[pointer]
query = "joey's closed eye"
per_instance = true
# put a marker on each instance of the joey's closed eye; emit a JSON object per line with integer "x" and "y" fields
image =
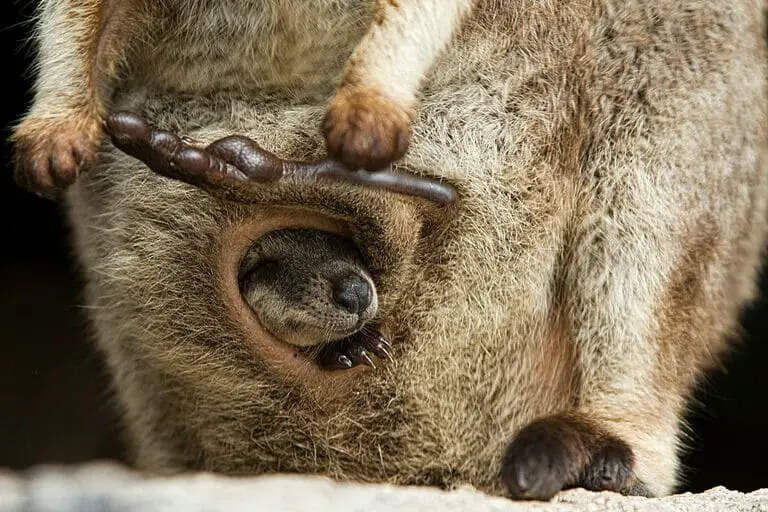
{"x": 264, "y": 266}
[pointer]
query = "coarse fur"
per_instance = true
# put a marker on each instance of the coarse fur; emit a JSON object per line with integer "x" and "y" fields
{"x": 611, "y": 162}
{"x": 90, "y": 48}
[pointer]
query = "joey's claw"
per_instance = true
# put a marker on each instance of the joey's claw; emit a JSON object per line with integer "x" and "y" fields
{"x": 359, "y": 355}
{"x": 376, "y": 343}
{"x": 331, "y": 360}
{"x": 191, "y": 141}
{"x": 382, "y": 351}
{"x": 355, "y": 350}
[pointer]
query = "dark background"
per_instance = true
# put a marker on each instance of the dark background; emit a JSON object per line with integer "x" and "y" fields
{"x": 54, "y": 404}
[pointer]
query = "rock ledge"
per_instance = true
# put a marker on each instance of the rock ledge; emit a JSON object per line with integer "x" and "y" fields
{"x": 108, "y": 487}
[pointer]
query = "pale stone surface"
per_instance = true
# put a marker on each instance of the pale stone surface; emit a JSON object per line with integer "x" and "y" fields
{"x": 103, "y": 487}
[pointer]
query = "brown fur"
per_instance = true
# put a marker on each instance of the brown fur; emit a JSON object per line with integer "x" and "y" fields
{"x": 381, "y": 129}
{"x": 611, "y": 162}
{"x": 91, "y": 48}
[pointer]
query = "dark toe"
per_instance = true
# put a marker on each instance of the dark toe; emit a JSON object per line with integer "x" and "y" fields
{"x": 355, "y": 350}
{"x": 534, "y": 472}
{"x": 330, "y": 359}
{"x": 610, "y": 468}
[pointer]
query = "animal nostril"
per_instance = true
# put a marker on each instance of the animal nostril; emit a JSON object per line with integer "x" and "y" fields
{"x": 352, "y": 293}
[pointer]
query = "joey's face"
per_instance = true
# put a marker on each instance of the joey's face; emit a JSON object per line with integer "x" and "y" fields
{"x": 307, "y": 286}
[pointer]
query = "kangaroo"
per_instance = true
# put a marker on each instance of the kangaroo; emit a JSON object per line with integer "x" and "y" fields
{"x": 311, "y": 287}
{"x": 90, "y": 48}
{"x": 547, "y": 327}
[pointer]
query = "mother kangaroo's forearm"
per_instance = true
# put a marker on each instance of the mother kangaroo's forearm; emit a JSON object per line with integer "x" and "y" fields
{"x": 368, "y": 121}
{"x": 80, "y": 45}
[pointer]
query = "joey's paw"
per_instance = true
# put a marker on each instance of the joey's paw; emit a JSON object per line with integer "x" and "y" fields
{"x": 563, "y": 451}
{"x": 49, "y": 153}
{"x": 364, "y": 129}
{"x": 355, "y": 350}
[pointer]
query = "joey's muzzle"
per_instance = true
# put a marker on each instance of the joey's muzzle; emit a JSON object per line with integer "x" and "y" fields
{"x": 308, "y": 286}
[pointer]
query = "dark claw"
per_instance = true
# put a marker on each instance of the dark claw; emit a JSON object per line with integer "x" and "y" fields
{"x": 234, "y": 163}
{"x": 330, "y": 360}
{"x": 382, "y": 351}
{"x": 354, "y": 350}
{"x": 359, "y": 355}
{"x": 377, "y": 344}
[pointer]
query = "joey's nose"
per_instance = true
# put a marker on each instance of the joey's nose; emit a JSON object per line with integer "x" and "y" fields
{"x": 352, "y": 293}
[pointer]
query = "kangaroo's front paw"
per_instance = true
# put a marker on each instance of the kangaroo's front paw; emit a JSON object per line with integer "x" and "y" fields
{"x": 364, "y": 129}
{"x": 49, "y": 153}
{"x": 563, "y": 451}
